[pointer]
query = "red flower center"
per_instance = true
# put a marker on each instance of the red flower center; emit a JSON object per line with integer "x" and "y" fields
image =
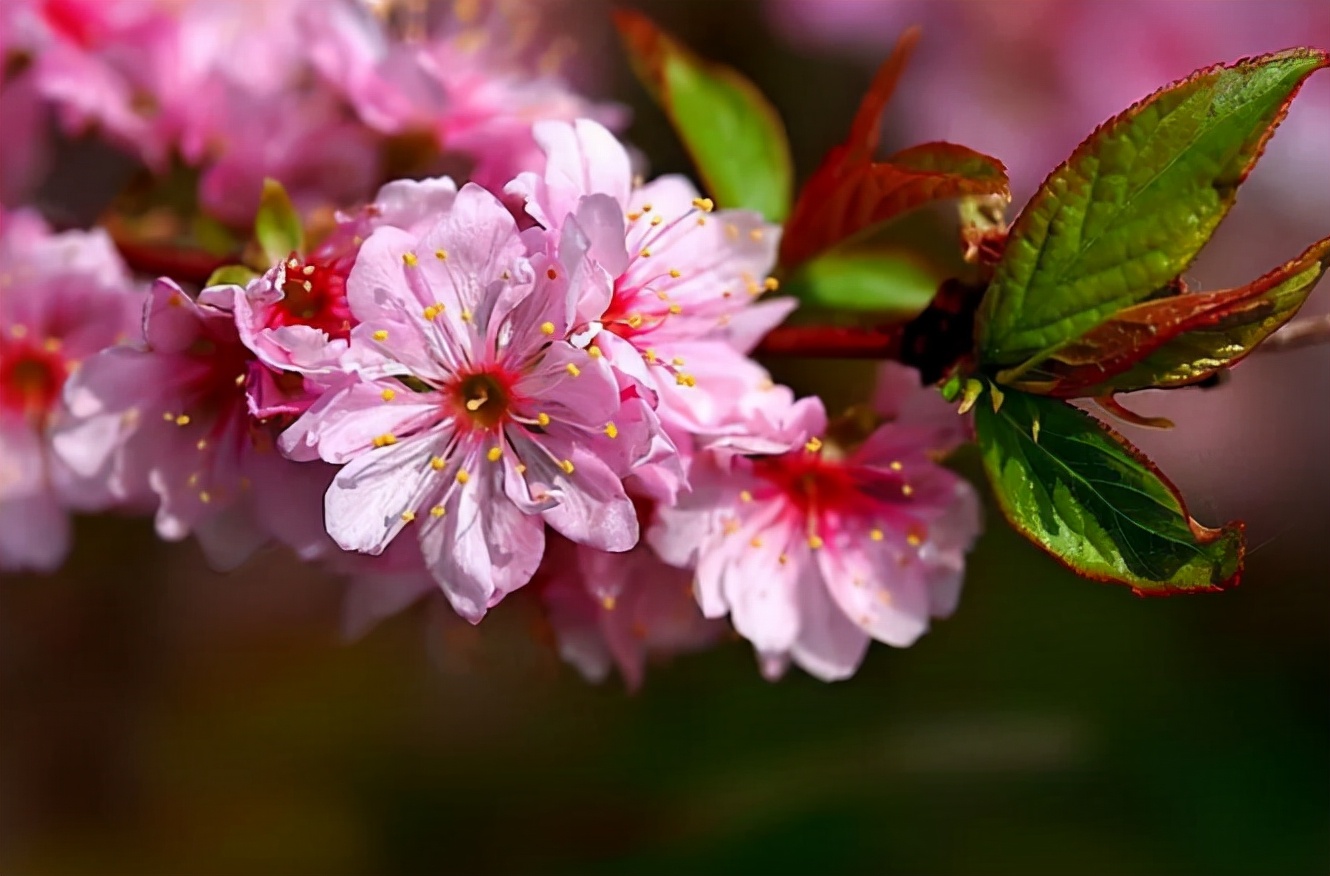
{"x": 313, "y": 295}
{"x": 482, "y": 399}
{"x": 30, "y": 378}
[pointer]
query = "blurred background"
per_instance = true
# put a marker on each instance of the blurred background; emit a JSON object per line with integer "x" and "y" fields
{"x": 157, "y": 717}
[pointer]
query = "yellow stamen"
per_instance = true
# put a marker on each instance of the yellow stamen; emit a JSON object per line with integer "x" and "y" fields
{"x": 706, "y": 205}
{"x": 380, "y": 335}
{"x": 611, "y": 430}
{"x": 594, "y": 352}
{"x": 676, "y": 309}
{"x": 573, "y": 369}
{"x": 876, "y": 535}
{"x": 182, "y": 420}
{"x": 409, "y": 259}
{"x": 815, "y": 542}
{"x": 462, "y": 476}
{"x": 567, "y": 466}
{"x": 408, "y": 516}
{"x": 813, "y": 445}
{"x": 495, "y": 454}
{"x": 675, "y": 273}
{"x": 388, "y": 395}
{"x": 547, "y": 328}
{"x": 387, "y": 439}
{"x": 437, "y": 463}
{"x": 745, "y": 496}
{"x": 441, "y": 254}
{"x": 542, "y": 419}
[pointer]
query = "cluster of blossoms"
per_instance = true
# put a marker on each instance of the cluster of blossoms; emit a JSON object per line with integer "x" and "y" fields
{"x": 540, "y": 378}
{"x": 325, "y": 95}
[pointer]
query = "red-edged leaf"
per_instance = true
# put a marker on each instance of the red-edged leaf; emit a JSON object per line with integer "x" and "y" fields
{"x": 1176, "y": 340}
{"x": 850, "y": 192}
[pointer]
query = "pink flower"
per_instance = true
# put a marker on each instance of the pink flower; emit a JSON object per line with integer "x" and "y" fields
{"x": 471, "y": 418}
{"x": 813, "y": 553}
{"x": 674, "y": 305}
{"x": 63, "y": 297}
{"x": 619, "y": 610}
{"x": 296, "y": 319}
{"x": 170, "y": 418}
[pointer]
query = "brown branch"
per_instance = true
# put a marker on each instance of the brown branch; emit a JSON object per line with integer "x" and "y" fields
{"x": 1305, "y": 332}
{"x": 832, "y": 342}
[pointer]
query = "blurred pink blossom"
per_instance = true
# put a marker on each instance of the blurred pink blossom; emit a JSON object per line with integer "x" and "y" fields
{"x": 63, "y": 298}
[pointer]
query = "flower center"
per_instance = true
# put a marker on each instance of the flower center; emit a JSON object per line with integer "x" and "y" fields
{"x": 313, "y": 295}
{"x": 482, "y": 399}
{"x": 814, "y": 485}
{"x": 30, "y": 379}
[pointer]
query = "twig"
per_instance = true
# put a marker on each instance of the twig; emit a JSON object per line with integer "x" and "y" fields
{"x": 832, "y": 342}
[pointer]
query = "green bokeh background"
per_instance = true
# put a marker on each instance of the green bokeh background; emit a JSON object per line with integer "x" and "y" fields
{"x": 156, "y": 717}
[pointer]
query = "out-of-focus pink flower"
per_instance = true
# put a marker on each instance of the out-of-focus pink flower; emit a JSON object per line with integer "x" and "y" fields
{"x": 619, "y": 610}
{"x": 170, "y": 418}
{"x": 671, "y": 303}
{"x": 471, "y": 418}
{"x": 813, "y": 553}
{"x": 1026, "y": 82}
{"x": 63, "y": 297}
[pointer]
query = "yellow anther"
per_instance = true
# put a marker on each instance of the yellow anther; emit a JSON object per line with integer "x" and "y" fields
{"x": 656, "y": 220}
{"x": 813, "y": 445}
{"x": 542, "y": 419}
{"x": 466, "y": 316}
{"x": 706, "y": 205}
{"x": 182, "y": 420}
{"x": 634, "y": 320}
{"x": 409, "y": 259}
{"x": 608, "y": 602}
{"x": 771, "y": 284}
{"x": 756, "y": 234}
{"x": 914, "y": 539}
{"x": 645, "y": 253}
{"x": 521, "y": 468}
{"x": 896, "y": 465}
{"x": 438, "y": 511}
{"x": 573, "y": 369}
{"x": 594, "y": 352}
{"x": 647, "y": 207}
{"x": 756, "y": 542}
{"x": 611, "y": 430}
{"x": 205, "y": 497}
{"x": 676, "y": 273}
{"x": 547, "y": 328}
{"x": 649, "y": 355}
{"x": 815, "y": 542}
{"x": 634, "y": 216}
{"x": 677, "y": 361}
{"x": 437, "y": 463}
{"x": 495, "y": 454}
{"x": 202, "y": 444}
{"x": 408, "y": 516}
{"x": 462, "y": 476}
{"x": 168, "y": 416}
{"x": 431, "y": 312}
{"x": 676, "y": 309}
{"x": 567, "y": 466}
{"x": 732, "y": 231}
{"x": 683, "y": 379}
{"x": 730, "y": 526}
{"x": 876, "y": 535}
{"x": 388, "y": 395}
{"x": 51, "y": 345}
{"x": 907, "y": 490}
{"x": 387, "y": 439}
{"x": 701, "y": 220}
{"x": 441, "y": 254}
{"x": 380, "y": 335}
{"x": 745, "y": 496}
{"x": 783, "y": 559}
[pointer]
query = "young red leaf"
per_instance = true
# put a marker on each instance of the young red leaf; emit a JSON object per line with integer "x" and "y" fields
{"x": 850, "y": 192}
{"x": 1176, "y": 340}
{"x": 731, "y": 131}
{"x": 1129, "y": 210}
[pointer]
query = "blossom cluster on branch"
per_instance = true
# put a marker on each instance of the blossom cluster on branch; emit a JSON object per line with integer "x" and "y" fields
{"x": 537, "y": 370}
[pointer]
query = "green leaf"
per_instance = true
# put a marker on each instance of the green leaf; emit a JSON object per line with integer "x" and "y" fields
{"x": 1095, "y": 503}
{"x": 231, "y": 275}
{"x": 1173, "y": 341}
{"x": 888, "y": 282}
{"x": 277, "y": 227}
{"x": 732, "y": 132}
{"x": 1128, "y": 212}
